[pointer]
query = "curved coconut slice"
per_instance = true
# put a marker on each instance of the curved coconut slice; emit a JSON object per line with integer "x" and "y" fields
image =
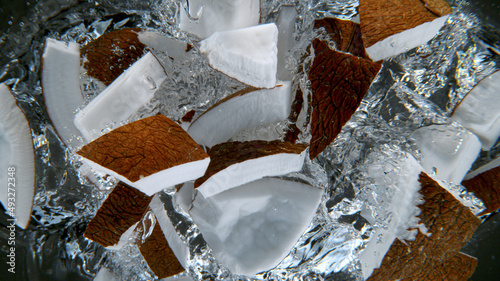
{"x": 242, "y": 110}
{"x": 203, "y": 18}
{"x": 251, "y": 228}
{"x": 134, "y": 88}
{"x": 339, "y": 82}
{"x": 486, "y": 186}
{"x": 447, "y": 151}
{"x": 61, "y": 87}
{"x": 249, "y": 55}
{"x": 396, "y": 26}
{"x": 346, "y": 35}
{"x": 18, "y": 160}
{"x": 115, "y": 221}
{"x": 236, "y": 163}
{"x": 150, "y": 154}
{"x": 478, "y": 111}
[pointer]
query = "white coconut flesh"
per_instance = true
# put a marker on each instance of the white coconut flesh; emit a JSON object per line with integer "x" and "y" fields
{"x": 253, "y": 227}
{"x": 286, "y": 28}
{"x": 16, "y": 148}
{"x": 204, "y": 17}
{"x": 447, "y": 151}
{"x": 491, "y": 165}
{"x": 128, "y": 93}
{"x": 404, "y": 41}
{"x": 184, "y": 196}
{"x": 250, "y": 170}
{"x": 61, "y": 87}
{"x": 248, "y": 54}
{"x": 161, "y": 43}
{"x": 226, "y": 119}
{"x": 479, "y": 110}
{"x": 105, "y": 274}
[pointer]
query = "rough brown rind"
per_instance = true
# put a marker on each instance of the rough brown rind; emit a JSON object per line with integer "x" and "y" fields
{"x": 188, "y": 116}
{"x": 438, "y": 7}
{"x": 143, "y": 148}
{"x": 226, "y": 154}
{"x": 112, "y": 53}
{"x": 123, "y": 208}
{"x": 346, "y": 35}
{"x": 486, "y": 186}
{"x": 339, "y": 82}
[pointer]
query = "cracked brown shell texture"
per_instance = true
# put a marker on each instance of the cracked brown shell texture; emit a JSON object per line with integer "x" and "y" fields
{"x": 229, "y": 153}
{"x": 188, "y": 117}
{"x": 112, "y": 53}
{"x": 339, "y": 81}
{"x": 346, "y": 35}
{"x": 381, "y": 19}
{"x": 143, "y": 147}
{"x": 434, "y": 257}
{"x": 123, "y": 208}
{"x": 486, "y": 186}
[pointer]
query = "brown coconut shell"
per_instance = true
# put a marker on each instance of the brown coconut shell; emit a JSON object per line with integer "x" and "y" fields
{"x": 486, "y": 186}
{"x": 346, "y": 35}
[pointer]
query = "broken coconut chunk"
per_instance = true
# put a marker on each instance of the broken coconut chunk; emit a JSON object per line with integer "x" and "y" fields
{"x": 236, "y": 163}
{"x": 133, "y": 89}
{"x": 393, "y": 27}
{"x": 116, "y": 219}
{"x": 244, "y": 109}
{"x": 251, "y": 228}
{"x": 249, "y": 54}
{"x": 18, "y": 160}
{"x": 339, "y": 82}
{"x": 478, "y": 111}
{"x": 486, "y": 186}
{"x": 61, "y": 87}
{"x": 150, "y": 154}
{"x": 346, "y": 35}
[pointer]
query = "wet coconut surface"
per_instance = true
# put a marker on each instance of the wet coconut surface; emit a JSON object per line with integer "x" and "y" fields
{"x": 412, "y": 90}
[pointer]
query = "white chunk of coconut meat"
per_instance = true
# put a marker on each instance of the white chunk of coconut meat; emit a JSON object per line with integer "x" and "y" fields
{"x": 286, "y": 27}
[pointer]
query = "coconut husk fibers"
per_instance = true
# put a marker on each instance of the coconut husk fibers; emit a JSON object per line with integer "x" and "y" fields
{"x": 339, "y": 81}
{"x": 434, "y": 257}
{"x": 346, "y": 35}
{"x": 486, "y": 186}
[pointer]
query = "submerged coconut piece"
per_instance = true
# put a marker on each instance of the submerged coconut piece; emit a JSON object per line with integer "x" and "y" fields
{"x": 248, "y": 54}
{"x": 339, "y": 82}
{"x": 430, "y": 257}
{"x": 150, "y": 154}
{"x": 236, "y": 163}
{"x": 396, "y": 26}
{"x": 346, "y": 35}
{"x": 105, "y": 274}
{"x": 159, "y": 42}
{"x": 61, "y": 87}
{"x": 203, "y": 18}
{"x": 251, "y": 228}
{"x": 242, "y": 110}
{"x": 486, "y": 186}
{"x": 133, "y": 89}
{"x": 286, "y": 28}
{"x": 478, "y": 111}
{"x": 18, "y": 160}
{"x": 116, "y": 219}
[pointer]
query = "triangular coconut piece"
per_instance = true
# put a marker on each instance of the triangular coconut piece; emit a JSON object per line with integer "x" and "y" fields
{"x": 393, "y": 27}
{"x": 242, "y": 110}
{"x": 150, "y": 154}
{"x": 133, "y": 89}
{"x": 61, "y": 87}
{"x": 478, "y": 111}
{"x": 486, "y": 186}
{"x": 346, "y": 35}
{"x": 251, "y": 228}
{"x": 236, "y": 163}
{"x": 18, "y": 160}
{"x": 248, "y": 54}
{"x": 115, "y": 221}
{"x": 204, "y": 17}
{"x": 339, "y": 82}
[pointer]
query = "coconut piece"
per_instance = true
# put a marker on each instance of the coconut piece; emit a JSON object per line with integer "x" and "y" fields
{"x": 447, "y": 151}
{"x": 339, "y": 82}
{"x": 236, "y": 163}
{"x": 133, "y": 89}
{"x": 242, "y": 110}
{"x": 18, "y": 160}
{"x": 61, "y": 87}
{"x": 159, "y": 42}
{"x": 395, "y": 26}
{"x": 249, "y": 54}
{"x": 478, "y": 111}
{"x": 150, "y": 154}
{"x": 286, "y": 27}
{"x": 105, "y": 274}
{"x": 116, "y": 219}
{"x": 292, "y": 134}
{"x": 346, "y": 35}
{"x": 486, "y": 186}
{"x": 251, "y": 228}
{"x": 488, "y": 166}
{"x": 203, "y": 18}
